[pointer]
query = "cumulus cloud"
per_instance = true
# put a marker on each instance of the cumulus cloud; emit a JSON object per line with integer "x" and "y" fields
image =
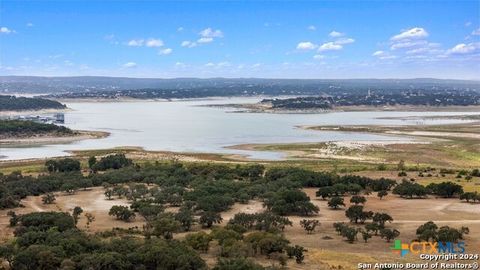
{"x": 129, "y": 65}
{"x": 29, "y": 24}
{"x": 180, "y": 29}
{"x": 318, "y": 56}
{"x": 154, "y": 43}
{"x": 210, "y": 33}
{"x": 306, "y": 45}
{"x": 330, "y": 46}
{"x": 407, "y": 44}
{"x": 205, "y": 40}
{"x": 312, "y": 28}
{"x": 476, "y": 32}
{"x": 383, "y": 55}
{"x": 165, "y": 51}
{"x": 463, "y": 48}
{"x": 188, "y": 44}
{"x": 336, "y": 34}
{"x": 344, "y": 41}
{"x": 5, "y": 30}
{"x": 135, "y": 43}
{"x": 413, "y": 33}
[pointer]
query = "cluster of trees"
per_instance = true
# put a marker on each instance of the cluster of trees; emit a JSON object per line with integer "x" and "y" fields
{"x": 62, "y": 165}
{"x": 13, "y": 103}
{"x": 470, "y": 196}
{"x": 265, "y": 221}
{"x": 356, "y": 214}
{"x": 431, "y": 232}
{"x": 411, "y": 190}
{"x": 235, "y": 244}
{"x": 24, "y": 128}
{"x": 50, "y": 240}
{"x": 115, "y": 161}
{"x": 353, "y": 184}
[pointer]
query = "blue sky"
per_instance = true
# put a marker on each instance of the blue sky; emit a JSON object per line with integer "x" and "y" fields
{"x": 273, "y": 39}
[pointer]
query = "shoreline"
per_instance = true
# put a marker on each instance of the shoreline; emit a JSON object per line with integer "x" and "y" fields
{"x": 32, "y": 112}
{"x": 260, "y": 108}
{"x": 51, "y": 139}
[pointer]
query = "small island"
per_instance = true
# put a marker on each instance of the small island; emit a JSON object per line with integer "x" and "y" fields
{"x": 31, "y": 132}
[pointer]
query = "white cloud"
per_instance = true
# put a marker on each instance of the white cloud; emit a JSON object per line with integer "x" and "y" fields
{"x": 205, "y": 40}
{"x": 154, "y": 43}
{"x": 344, "y": 41}
{"x": 330, "y": 46}
{"x": 165, "y": 51}
{"x": 407, "y": 44}
{"x": 306, "y": 45}
{"x": 188, "y": 44}
{"x": 336, "y": 34}
{"x": 467, "y": 24}
{"x": 383, "y": 55}
{"x": 5, "y": 30}
{"x": 463, "y": 48}
{"x": 218, "y": 65}
{"x": 180, "y": 29}
{"x": 29, "y": 24}
{"x": 318, "y": 56}
{"x": 476, "y": 32}
{"x": 136, "y": 42}
{"x": 210, "y": 33}
{"x": 416, "y": 32}
{"x": 180, "y": 65}
{"x": 129, "y": 65}
{"x": 417, "y": 51}
{"x": 312, "y": 28}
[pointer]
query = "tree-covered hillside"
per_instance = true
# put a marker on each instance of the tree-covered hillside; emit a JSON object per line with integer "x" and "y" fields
{"x": 20, "y": 128}
{"x": 12, "y": 103}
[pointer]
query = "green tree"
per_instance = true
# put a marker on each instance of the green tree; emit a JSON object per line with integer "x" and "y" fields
{"x": 358, "y": 199}
{"x": 382, "y": 193}
{"x": 208, "y": 218}
{"x": 185, "y": 217}
{"x": 165, "y": 225}
{"x": 381, "y": 218}
{"x": 336, "y": 202}
{"x": 121, "y": 213}
{"x": 389, "y": 234}
{"x": 365, "y": 236}
{"x": 199, "y": 241}
{"x": 309, "y": 225}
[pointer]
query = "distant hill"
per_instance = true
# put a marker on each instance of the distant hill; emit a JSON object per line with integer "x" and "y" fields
{"x": 54, "y": 85}
{"x": 12, "y": 103}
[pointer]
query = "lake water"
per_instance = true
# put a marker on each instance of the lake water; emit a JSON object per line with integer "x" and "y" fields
{"x": 184, "y": 126}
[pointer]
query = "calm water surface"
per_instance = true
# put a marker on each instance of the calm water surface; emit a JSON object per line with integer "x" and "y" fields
{"x": 183, "y": 126}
